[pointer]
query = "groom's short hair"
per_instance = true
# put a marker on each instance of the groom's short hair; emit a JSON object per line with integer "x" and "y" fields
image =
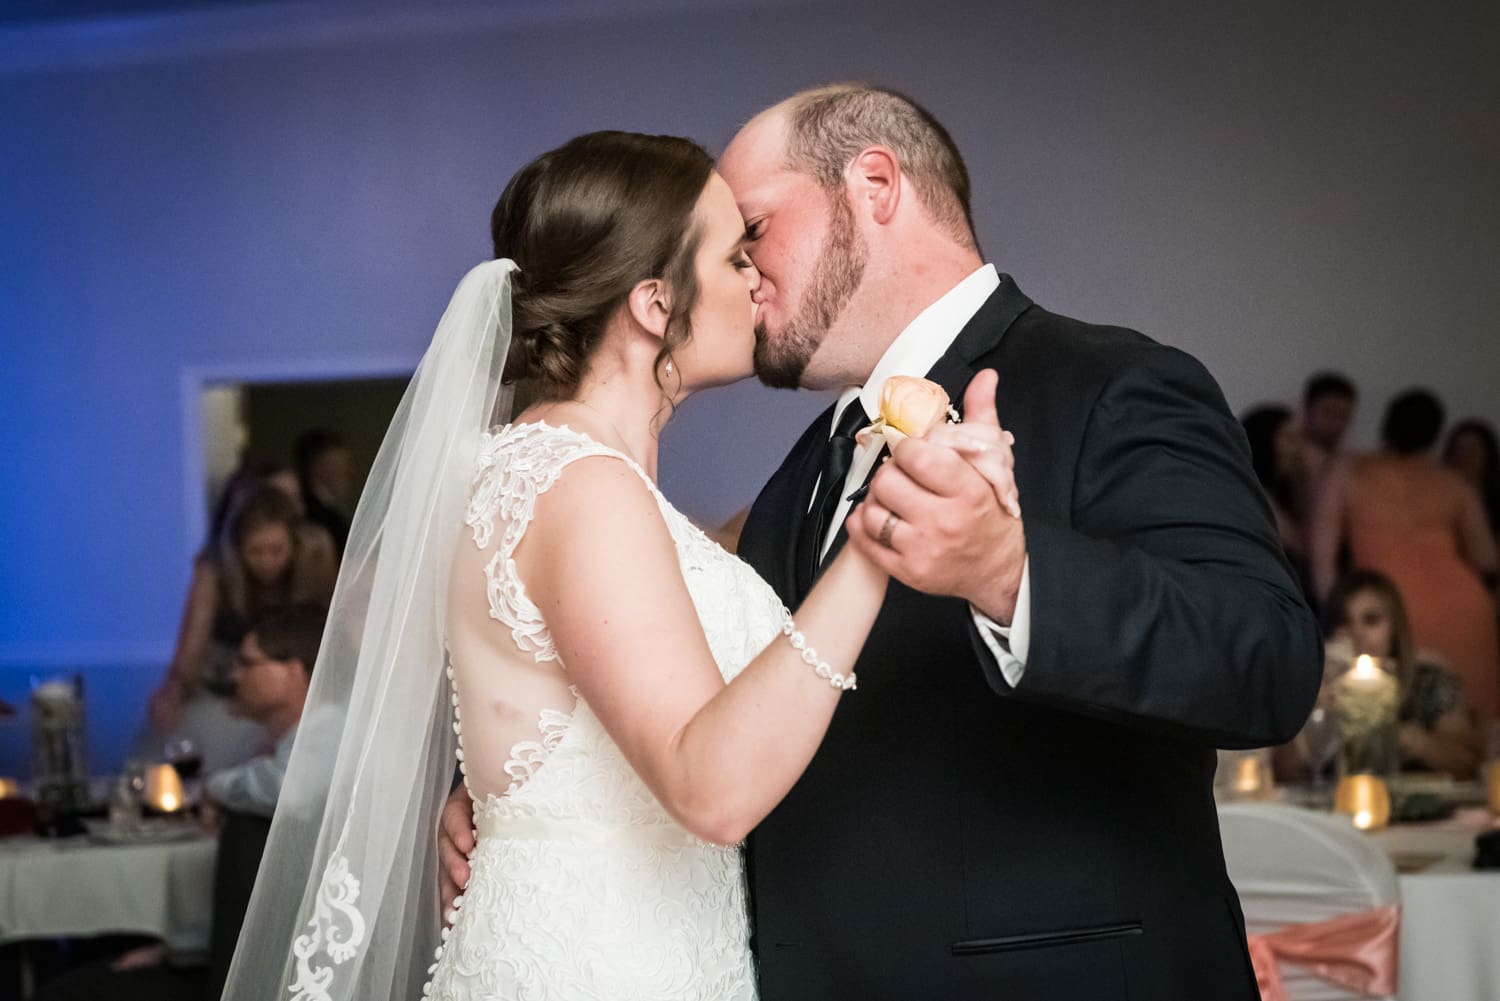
{"x": 827, "y": 127}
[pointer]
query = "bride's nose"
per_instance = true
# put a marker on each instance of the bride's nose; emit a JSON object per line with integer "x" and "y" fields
{"x": 752, "y": 277}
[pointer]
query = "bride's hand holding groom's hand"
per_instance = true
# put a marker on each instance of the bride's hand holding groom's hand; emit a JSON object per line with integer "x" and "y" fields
{"x": 954, "y": 492}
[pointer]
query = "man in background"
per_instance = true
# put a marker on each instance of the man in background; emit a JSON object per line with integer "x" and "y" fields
{"x": 271, "y": 675}
{"x": 1328, "y": 401}
{"x": 325, "y": 468}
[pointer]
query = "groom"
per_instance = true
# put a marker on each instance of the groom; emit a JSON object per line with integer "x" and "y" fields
{"x": 1017, "y": 802}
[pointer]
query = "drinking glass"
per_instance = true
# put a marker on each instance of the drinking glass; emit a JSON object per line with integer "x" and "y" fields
{"x": 183, "y": 755}
{"x": 1318, "y": 742}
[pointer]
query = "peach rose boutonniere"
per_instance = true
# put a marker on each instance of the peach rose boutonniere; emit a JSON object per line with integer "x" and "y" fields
{"x": 909, "y": 408}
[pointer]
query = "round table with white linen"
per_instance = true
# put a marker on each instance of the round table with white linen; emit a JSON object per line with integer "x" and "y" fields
{"x": 159, "y": 882}
{"x": 1450, "y": 913}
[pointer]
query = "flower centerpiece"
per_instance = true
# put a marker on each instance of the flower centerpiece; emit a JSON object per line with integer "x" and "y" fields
{"x": 1366, "y": 700}
{"x": 59, "y": 759}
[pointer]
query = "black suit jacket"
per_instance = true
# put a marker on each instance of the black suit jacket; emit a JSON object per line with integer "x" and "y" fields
{"x": 956, "y": 837}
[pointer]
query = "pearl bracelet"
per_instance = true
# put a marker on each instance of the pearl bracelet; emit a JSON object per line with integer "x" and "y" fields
{"x": 843, "y": 682}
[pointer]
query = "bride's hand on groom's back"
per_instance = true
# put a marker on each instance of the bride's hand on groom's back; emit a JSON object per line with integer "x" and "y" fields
{"x": 954, "y": 492}
{"x": 455, "y": 842}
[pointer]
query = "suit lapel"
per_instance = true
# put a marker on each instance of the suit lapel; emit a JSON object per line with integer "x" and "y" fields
{"x": 979, "y": 336}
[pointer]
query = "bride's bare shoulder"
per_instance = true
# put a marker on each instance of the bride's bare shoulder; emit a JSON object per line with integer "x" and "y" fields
{"x": 598, "y": 495}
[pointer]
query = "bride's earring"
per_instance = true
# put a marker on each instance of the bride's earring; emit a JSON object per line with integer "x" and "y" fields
{"x": 669, "y": 367}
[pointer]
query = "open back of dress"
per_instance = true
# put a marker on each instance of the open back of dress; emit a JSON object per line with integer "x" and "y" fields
{"x": 582, "y": 885}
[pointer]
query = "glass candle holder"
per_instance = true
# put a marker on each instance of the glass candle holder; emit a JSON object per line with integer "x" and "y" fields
{"x": 1244, "y": 775}
{"x": 1365, "y": 800}
{"x": 1366, "y": 700}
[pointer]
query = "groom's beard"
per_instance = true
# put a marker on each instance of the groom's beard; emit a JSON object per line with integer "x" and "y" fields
{"x": 781, "y": 359}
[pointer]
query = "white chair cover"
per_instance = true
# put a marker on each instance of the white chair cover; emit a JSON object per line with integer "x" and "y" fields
{"x": 1293, "y": 866}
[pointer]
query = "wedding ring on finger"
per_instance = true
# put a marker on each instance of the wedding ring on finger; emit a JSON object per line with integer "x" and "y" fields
{"x": 892, "y": 519}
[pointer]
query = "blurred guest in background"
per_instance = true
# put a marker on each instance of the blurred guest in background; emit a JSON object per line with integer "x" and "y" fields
{"x": 312, "y": 539}
{"x": 1422, "y": 525}
{"x": 241, "y": 484}
{"x": 1474, "y": 453}
{"x": 1276, "y": 455}
{"x": 271, "y": 674}
{"x": 1437, "y": 730}
{"x": 325, "y": 470}
{"x": 264, "y": 564}
{"x": 1328, "y": 400}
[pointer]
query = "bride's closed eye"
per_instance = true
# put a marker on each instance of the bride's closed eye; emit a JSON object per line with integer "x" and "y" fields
{"x": 742, "y": 262}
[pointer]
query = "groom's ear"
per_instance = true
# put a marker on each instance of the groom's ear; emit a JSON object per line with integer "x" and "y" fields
{"x": 650, "y": 305}
{"x": 874, "y": 179}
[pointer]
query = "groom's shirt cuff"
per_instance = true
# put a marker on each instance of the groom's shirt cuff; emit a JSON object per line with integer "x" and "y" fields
{"x": 1010, "y": 644}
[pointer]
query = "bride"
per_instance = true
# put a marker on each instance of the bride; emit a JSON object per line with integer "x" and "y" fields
{"x": 625, "y": 699}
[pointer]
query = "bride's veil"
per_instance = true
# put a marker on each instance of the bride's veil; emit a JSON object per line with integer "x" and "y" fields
{"x": 346, "y": 902}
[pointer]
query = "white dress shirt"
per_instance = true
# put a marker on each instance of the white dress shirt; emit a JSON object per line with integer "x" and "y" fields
{"x": 914, "y": 352}
{"x": 255, "y": 786}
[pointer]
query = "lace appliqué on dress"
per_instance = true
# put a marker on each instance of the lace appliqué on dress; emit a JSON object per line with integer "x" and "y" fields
{"x": 516, "y": 466}
{"x": 337, "y": 894}
{"x": 527, "y": 756}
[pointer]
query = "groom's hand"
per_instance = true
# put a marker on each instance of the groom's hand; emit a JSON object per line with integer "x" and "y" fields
{"x": 455, "y": 843}
{"x": 959, "y": 530}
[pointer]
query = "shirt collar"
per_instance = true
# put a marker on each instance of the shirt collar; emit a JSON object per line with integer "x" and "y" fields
{"x": 926, "y": 339}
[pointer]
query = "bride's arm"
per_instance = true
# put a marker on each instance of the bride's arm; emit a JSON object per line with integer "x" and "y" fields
{"x": 602, "y": 568}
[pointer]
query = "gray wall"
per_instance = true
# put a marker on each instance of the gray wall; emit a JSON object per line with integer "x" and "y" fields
{"x": 1274, "y": 187}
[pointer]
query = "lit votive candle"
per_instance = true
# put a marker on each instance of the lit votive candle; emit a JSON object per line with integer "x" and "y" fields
{"x": 1366, "y": 682}
{"x": 1365, "y": 799}
{"x": 9, "y": 788}
{"x": 163, "y": 789}
{"x": 1367, "y": 674}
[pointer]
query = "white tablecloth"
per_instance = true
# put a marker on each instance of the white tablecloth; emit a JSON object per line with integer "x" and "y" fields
{"x": 77, "y": 887}
{"x": 1450, "y": 914}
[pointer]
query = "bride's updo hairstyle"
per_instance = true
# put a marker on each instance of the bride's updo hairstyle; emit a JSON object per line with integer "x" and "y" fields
{"x": 585, "y": 224}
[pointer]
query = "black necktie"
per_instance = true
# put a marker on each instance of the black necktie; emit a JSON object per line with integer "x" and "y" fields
{"x": 836, "y": 459}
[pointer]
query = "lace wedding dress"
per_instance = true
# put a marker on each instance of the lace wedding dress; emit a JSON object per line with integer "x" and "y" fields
{"x": 582, "y": 886}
